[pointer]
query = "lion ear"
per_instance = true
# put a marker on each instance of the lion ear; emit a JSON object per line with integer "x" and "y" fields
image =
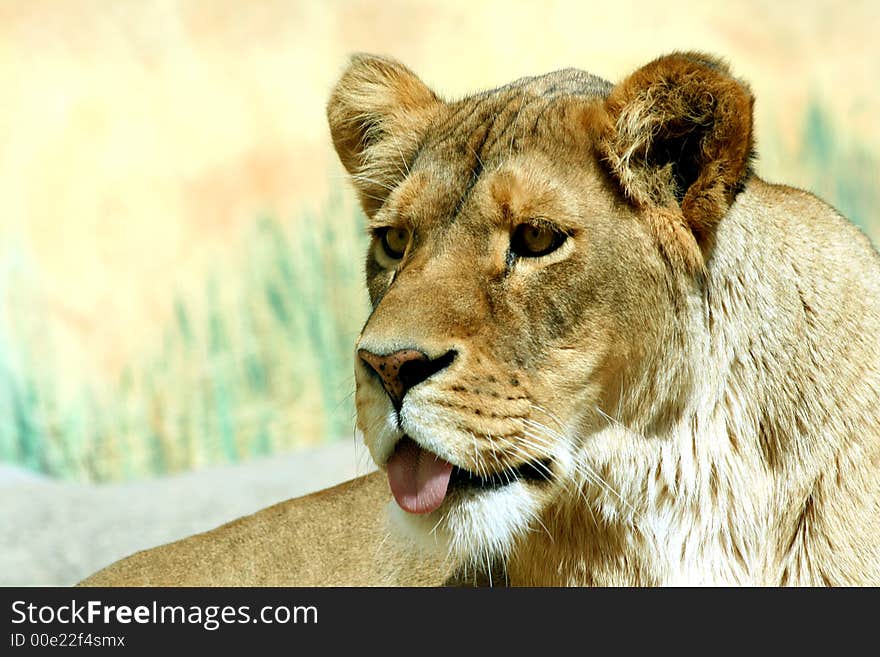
{"x": 678, "y": 137}
{"x": 377, "y": 113}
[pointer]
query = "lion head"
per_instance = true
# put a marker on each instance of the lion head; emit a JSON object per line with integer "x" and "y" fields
{"x": 531, "y": 255}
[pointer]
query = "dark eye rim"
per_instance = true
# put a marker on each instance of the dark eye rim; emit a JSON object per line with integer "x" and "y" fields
{"x": 517, "y": 243}
{"x": 382, "y": 236}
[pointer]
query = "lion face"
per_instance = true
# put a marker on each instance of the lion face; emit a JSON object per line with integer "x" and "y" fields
{"x": 517, "y": 294}
{"x": 513, "y": 289}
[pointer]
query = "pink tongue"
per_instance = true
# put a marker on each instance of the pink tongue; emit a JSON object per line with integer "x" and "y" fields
{"x": 417, "y": 478}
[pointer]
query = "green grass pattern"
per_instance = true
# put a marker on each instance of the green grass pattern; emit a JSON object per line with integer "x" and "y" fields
{"x": 262, "y": 362}
{"x": 843, "y": 173}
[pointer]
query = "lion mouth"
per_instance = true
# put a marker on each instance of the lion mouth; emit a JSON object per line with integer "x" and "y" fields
{"x": 530, "y": 471}
{"x": 420, "y": 480}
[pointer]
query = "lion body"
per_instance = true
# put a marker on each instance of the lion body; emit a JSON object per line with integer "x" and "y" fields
{"x": 336, "y": 537}
{"x": 693, "y": 368}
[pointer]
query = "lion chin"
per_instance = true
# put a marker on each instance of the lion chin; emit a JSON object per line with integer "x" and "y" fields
{"x": 602, "y": 351}
{"x": 473, "y": 529}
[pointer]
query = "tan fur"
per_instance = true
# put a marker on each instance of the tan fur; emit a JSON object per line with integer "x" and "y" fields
{"x": 336, "y": 537}
{"x": 696, "y": 368}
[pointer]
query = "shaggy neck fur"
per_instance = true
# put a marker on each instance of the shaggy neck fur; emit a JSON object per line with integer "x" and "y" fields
{"x": 748, "y": 485}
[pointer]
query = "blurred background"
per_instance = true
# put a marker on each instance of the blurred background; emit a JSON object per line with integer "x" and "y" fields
{"x": 181, "y": 255}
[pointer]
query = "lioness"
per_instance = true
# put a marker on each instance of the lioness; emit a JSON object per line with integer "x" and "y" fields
{"x": 601, "y": 351}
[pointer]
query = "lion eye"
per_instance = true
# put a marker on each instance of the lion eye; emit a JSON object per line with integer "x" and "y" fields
{"x": 394, "y": 242}
{"x": 531, "y": 241}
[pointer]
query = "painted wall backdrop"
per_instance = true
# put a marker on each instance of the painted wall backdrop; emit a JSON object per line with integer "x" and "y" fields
{"x": 180, "y": 254}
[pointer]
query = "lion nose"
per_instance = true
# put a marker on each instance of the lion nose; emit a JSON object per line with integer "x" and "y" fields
{"x": 404, "y": 369}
